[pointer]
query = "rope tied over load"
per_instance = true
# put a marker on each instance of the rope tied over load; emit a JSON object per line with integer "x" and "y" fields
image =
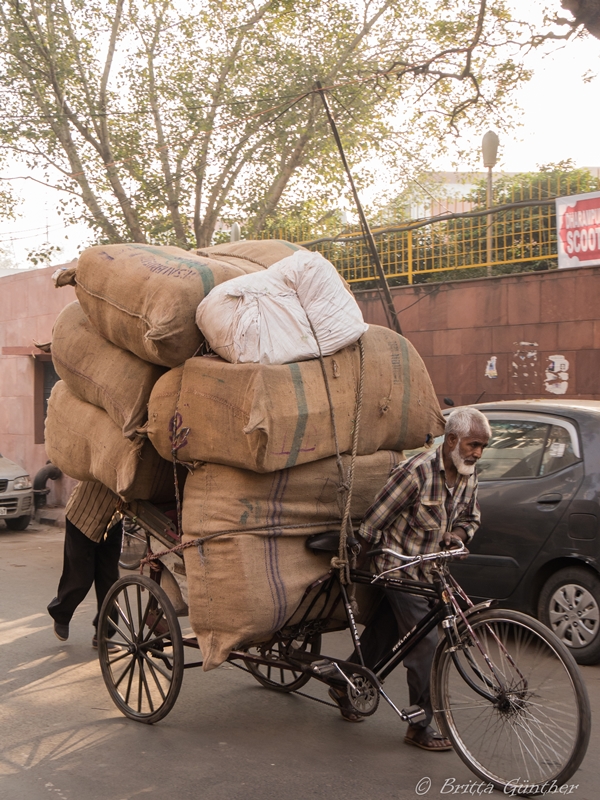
{"x": 345, "y": 559}
{"x": 342, "y": 562}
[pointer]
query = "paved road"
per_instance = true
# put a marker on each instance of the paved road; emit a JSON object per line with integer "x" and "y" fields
{"x": 226, "y": 739}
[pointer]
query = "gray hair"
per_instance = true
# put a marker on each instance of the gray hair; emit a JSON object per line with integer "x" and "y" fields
{"x": 467, "y": 420}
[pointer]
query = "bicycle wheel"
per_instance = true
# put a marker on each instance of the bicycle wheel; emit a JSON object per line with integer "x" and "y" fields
{"x": 134, "y": 546}
{"x": 277, "y": 678}
{"x": 144, "y": 677}
{"x": 534, "y": 726}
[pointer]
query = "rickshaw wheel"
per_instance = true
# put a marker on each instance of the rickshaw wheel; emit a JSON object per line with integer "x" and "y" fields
{"x": 144, "y": 677}
{"x": 277, "y": 678}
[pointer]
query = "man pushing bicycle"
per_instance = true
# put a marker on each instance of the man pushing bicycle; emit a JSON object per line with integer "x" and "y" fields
{"x": 429, "y": 498}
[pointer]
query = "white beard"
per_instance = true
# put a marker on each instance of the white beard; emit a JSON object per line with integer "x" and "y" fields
{"x": 461, "y": 467}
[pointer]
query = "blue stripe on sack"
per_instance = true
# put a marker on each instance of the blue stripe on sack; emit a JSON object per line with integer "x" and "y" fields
{"x": 276, "y": 584}
{"x": 302, "y": 407}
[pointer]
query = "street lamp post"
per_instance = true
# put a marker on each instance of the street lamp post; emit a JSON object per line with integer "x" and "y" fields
{"x": 489, "y": 150}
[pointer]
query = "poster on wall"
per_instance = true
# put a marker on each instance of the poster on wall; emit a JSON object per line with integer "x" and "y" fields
{"x": 578, "y": 226}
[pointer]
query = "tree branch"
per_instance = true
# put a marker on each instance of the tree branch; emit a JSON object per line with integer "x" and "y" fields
{"x": 163, "y": 150}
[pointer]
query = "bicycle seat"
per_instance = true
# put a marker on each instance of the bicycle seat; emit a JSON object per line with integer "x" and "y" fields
{"x": 328, "y": 542}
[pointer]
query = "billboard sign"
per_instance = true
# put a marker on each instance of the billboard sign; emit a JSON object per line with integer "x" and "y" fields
{"x": 578, "y": 226}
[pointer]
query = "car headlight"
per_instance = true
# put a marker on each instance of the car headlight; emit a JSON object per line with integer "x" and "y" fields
{"x": 24, "y": 482}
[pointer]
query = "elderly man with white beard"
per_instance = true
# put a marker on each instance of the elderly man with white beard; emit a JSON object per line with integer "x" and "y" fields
{"x": 428, "y": 499}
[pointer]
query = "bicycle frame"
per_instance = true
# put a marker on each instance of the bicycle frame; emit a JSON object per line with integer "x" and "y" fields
{"x": 445, "y": 611}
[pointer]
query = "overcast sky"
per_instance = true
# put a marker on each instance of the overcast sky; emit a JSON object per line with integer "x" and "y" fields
{"x": 560, "y": 116}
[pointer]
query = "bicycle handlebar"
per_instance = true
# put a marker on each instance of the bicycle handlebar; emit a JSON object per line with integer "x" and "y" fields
{"x": 410, "y": 561}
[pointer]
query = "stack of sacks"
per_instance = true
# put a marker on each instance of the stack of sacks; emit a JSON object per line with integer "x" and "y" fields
{"x": 134, "y": 318}
{"x": 260, "y": 427}
{"x": 268, "y": 476}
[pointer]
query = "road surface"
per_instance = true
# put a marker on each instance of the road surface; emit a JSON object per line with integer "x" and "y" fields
{"x": 227, "y": 738}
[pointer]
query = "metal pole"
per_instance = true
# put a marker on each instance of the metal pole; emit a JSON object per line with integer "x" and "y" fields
{"x": 489, "y": 222}
{"x": 388, "y": 302}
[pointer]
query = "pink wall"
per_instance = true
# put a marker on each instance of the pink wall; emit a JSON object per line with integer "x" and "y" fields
{"x": 520, "y": 323}
{"x": 29, "y": 304}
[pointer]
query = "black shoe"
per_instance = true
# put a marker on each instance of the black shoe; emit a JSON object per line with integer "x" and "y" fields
{"x": 61, "y": 631}
{"x": 340, "y": 698}
{"x": 111, "y": 646}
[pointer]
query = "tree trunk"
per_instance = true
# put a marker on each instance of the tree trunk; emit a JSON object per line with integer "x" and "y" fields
{"x": 586, "y": 13}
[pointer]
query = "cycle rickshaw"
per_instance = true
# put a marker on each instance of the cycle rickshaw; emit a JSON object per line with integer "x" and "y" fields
{"x": 505, "y": 690}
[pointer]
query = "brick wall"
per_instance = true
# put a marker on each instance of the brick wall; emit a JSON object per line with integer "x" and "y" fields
{"x": 531, "y": 324}
{"x": 29, "y": 304}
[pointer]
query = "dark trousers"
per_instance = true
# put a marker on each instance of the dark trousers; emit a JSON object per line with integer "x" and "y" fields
{"x": 85, "y": 563}
{"x": 397, "y": 614}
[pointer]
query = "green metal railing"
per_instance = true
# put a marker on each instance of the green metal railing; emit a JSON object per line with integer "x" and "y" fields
{"x": 522, "y": 220}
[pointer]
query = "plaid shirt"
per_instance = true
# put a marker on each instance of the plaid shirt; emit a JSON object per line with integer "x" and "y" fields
{"x": 91, "y": 508}
{"x": 415, "y": 508}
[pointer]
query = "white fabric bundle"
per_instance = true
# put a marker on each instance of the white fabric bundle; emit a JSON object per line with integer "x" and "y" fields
{"x": 264, "y": 317}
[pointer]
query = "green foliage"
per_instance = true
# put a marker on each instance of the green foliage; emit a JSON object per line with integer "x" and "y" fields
{"x": 302, "y": 220}
{"x": 155, "y": 119}
{"x": 45, "y": 254}
{"x": 8, "y": 201}
{"x": 550, "y": 180}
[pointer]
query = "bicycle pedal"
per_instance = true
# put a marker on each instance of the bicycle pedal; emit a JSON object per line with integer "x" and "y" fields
{"x": 413, "y": 714}
{"x": 324, "y": 668}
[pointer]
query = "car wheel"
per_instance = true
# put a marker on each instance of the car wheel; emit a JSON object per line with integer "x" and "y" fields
{"x": 569, "y": 605}
{"x": 18, "y": 523}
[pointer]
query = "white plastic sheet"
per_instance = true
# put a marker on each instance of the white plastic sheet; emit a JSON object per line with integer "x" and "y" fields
{"x": 264, "y": 317}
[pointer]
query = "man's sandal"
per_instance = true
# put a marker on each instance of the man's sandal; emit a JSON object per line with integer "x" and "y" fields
{"x": 340, "y": 698}
{"x": 426, "y": 738}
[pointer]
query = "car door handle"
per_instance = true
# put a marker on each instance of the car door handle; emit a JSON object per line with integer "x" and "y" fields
{"x": 551, "y": 499}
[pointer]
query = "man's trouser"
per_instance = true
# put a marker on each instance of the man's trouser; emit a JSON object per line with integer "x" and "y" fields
{"x": 397, "y": 613}
{"x": 86, "y": 563}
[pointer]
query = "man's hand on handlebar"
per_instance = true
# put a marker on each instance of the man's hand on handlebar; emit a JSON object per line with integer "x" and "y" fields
{"x": 455, "y": 538}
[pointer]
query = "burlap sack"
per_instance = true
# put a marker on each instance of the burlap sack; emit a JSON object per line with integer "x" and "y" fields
{"x": 260, "y": 253}
{"x": 65, "y": 276}
{"x": 244, "y": 586}
{"x": 101, "y": 373}
{"x": 85, "y": 444}
{"x": 264, "y": 417}
{"x": 144, "y": 298}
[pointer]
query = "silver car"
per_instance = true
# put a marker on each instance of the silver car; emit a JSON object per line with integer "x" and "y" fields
{"x": 16, "y": 495}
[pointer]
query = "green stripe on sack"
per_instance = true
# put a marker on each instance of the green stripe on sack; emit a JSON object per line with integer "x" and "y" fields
{"x": 288, "y": 244}
{"x": 405, "y": 356}
{"x": 302, "y": 414}
{"x": 208, "y": 279}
